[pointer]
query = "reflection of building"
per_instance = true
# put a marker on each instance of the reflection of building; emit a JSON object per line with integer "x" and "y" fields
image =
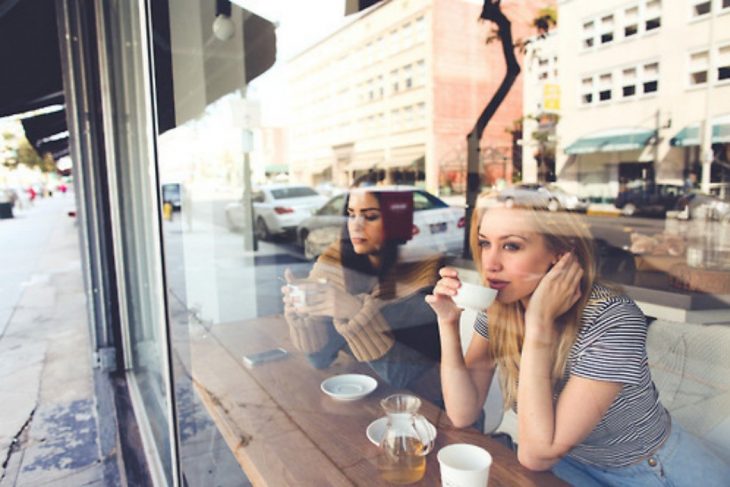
{"x": 270, "y": 152}
{"x": 541, "y": 105}
{"x": 396, "y": 89}
{"x": 639, "y": 79}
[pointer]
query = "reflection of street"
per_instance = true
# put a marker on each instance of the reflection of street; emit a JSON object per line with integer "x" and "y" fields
{"x": 209, "y": 270}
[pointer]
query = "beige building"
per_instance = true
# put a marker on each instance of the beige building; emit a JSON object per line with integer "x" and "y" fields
{"x": 646, "y": 86}
{"x": 397, "y": 89}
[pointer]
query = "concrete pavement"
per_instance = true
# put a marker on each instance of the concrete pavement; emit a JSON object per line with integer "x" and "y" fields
{"x": 48, "y": 417}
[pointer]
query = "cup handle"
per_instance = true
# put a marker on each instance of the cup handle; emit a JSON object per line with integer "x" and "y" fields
{"x": 420, "y": 420}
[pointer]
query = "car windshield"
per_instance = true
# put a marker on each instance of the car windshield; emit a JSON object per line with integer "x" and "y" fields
{"x": 295, "y": 192}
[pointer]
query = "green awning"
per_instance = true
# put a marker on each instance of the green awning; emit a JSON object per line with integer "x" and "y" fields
{"x": 276, "y": 168}
{"x": 612, "y": 141}
{"x": 690, "y": 135}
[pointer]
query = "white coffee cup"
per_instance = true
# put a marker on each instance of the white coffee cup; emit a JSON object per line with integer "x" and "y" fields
{"x": 464, "y": 465}
{"x": 474, "y": 296}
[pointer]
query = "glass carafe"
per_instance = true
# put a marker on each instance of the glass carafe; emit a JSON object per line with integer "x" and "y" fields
{"x": 406, "y": 441}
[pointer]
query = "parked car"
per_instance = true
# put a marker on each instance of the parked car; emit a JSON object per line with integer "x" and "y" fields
{"x": 550, "y": 196}
{"x": 437, "y": 227}
{"x": 701, "y": 206}
{"x": 277, "y": 209}
{"x": 644, "y": 198}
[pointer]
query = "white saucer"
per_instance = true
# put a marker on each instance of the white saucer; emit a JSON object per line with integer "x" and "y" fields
{"x": 349, "y": 387}
{"x": 376, "y": 430}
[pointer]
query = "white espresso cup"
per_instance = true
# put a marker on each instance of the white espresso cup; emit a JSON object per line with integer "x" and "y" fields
{"x": 464, "y": 465}
{"x": 474, "y": 296}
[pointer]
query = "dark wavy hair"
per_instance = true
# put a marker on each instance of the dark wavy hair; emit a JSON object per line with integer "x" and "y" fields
{"x": 356, "y": 265}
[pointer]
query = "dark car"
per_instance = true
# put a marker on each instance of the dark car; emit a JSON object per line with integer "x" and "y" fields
{"x": 648, "y": 199}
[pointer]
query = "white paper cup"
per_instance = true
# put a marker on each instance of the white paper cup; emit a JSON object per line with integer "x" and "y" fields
{"x": 473, "y": 296}
{"x": 464, "y": 465}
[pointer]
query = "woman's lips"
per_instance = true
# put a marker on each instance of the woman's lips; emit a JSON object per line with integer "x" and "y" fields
{"x": 498, "y": 285}
{"x": 357, "y": 240}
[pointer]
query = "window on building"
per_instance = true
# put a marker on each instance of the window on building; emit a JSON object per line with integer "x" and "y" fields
{"x": 379, "y": 46}
{"x": 395, "y": 82}
{"x": 381, "y": 87}
{"x": 631, "y": 21}
{"x": 420, "y": 73}
{"x": 653, "y": 15}
{"x": 406, "y": 36}
{"x": 698, "y": 67}
{"x": 605, "y": 87}
{"x": 408, "y": 116}
{"x": 420, "y": 29}
{"x": 606, "y": 29}
{"x": 701, "y": 8}
{"x": 650, "y": 81}
{"x": 628, "y": 82}
{"x": 421, "y": 113}
{"x": 371, "y": 89}
{"x": 393, "y": 42}
{"x": 586, "y": 97}
{"x": 588, "y": 34}
{"x": 723, "y": 63}
{"x": 395, "y": 118}
{"x": 408, "y": 76}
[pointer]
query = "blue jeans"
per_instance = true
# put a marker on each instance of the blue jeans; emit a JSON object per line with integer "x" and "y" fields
{"x": 681, "y": 461}
{"x": 401, "y": 366}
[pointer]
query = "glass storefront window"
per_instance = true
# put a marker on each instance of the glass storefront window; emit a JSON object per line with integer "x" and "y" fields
{"x": 284, "y": 163}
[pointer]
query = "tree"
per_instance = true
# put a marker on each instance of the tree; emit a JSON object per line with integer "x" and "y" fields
{"x": 25, "y": 154}
{"x": 492, "y": 12}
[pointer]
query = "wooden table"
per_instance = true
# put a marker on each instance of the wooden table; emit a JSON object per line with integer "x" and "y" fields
{"x": 284, "y": 431}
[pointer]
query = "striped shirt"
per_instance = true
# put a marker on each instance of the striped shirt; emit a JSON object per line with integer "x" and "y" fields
{"x": 611, "y": 346}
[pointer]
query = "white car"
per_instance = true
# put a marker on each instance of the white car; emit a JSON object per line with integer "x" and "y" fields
{"x": 277, "y": 209}
{"x": 437, "y": 227}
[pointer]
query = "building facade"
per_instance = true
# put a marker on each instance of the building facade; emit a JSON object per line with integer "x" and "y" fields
{"x": 395, "y": 90}
{"x": 645, "y": 94}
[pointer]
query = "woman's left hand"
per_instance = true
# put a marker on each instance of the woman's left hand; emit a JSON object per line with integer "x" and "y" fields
{"x": 557, "y": 291}
{"x": 331, "y": 301}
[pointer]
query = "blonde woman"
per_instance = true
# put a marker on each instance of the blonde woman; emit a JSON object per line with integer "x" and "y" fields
{"x": 572, "y": 356}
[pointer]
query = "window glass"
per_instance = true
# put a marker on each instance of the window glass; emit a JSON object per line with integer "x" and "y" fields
{"x": 701, "y": 8}
{"x": 346, "y": 112}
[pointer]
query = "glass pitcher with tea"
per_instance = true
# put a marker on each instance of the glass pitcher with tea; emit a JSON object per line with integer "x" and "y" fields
{"x": 408, "y": 438}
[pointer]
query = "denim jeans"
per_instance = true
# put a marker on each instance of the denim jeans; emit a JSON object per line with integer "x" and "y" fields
{"x": 401, "y": 366}
{"x": 682, "y": 461}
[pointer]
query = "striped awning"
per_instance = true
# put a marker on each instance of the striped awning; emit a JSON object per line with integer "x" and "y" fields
{"x": 690, "y": 135}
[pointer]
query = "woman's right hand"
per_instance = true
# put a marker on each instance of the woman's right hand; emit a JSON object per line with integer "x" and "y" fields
{"x": 290, "y": 304}
{"x": 441, "y": 300}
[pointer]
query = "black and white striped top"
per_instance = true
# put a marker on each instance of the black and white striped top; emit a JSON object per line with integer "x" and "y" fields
{"x": 611, "y": 346}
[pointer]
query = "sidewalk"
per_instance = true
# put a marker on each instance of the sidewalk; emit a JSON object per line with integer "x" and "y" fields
{"x": 48, "y": 419}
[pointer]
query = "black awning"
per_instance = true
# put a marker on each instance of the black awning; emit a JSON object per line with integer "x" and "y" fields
{"x": 43, "y": 126}
{"x": 30, "y": 56}
{"x": 53, "y": 146}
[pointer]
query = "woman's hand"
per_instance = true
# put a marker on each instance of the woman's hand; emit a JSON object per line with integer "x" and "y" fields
{"x": 291, "y": 303}
{"x": 441, "y": 301}
{"x": 557, "y": 291}
{"x": 324, "y": 299}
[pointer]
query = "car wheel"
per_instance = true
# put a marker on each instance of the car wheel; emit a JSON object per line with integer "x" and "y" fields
{"x": 509, "y": 203}
{"x": 310, "y": 252}
{"x": 262, "y": 231}
{"x": 629, "y": 209}
{"x": 553, "y": 205}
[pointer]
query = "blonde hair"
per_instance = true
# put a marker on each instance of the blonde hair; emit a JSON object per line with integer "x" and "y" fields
{"x": 562, "y": 232}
